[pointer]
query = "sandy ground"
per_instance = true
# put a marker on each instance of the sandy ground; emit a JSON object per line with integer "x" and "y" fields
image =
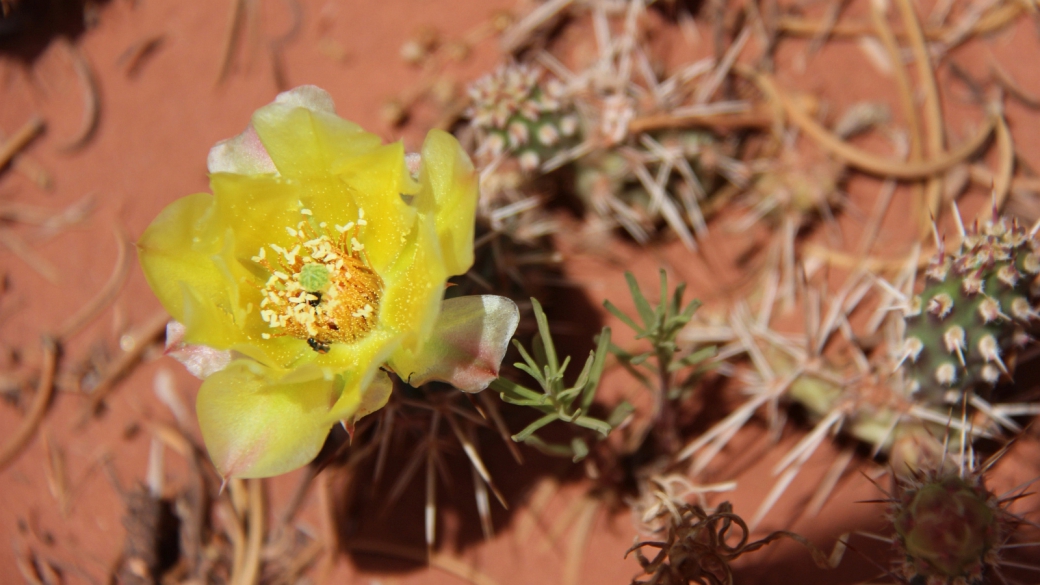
{"x": 156, "y": 65}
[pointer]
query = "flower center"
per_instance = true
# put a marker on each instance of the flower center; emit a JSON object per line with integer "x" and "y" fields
{"x": 322, "y": 290}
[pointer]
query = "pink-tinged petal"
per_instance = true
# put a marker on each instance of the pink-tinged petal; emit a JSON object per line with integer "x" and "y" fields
{"x": 375, "y": 396}
{"x": 256, "y": 425}
{"x": 243, "y": 155}
{"x": 202, "y": 361}
{"x": 310, "y": 97}
{"x": 467, "y": 345}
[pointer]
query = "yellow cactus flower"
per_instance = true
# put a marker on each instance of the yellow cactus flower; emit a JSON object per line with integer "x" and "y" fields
{"x": 319, "y": 262}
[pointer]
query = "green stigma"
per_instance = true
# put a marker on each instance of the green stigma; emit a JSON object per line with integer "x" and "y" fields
{"x": 314, "y": 277}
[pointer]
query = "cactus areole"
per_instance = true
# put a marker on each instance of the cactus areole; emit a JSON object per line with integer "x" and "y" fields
{"x": 946, "y": 526}
{"x": 964, "y": 328}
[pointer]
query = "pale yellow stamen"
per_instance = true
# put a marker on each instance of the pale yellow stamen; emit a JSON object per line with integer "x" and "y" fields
{"x": 342, "y": 309}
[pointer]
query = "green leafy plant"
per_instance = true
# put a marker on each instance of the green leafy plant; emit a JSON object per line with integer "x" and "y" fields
{"x": 556, "y": 400}
{"x": 660, "y": 327}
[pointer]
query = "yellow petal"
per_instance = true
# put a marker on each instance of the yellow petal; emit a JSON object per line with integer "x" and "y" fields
{"x": 176, "y": 250}
{"x": 374, "y": 180}
{"x": 449, "y": 191}
{"x": 304, "y": 139}
{"x": 256, "y": 425}
{"x": 414, "y": 287}
{"x": 257, "y": 209}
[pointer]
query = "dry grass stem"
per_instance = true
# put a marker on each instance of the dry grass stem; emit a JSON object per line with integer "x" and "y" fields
{"x": 37, "y": 409}
{"x": 232, "y": 32}
{"x": 142, "y": 338}
{"x": 91, "y": 101}
{"x": 10, "y": 148}
{"x": 872, "y": 163}
{"x": 28, "y": 254}
{"x": 106, "y": 295}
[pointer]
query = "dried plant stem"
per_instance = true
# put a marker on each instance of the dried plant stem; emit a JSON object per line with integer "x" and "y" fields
{"x": 21, "y": 139}
{"x": 28, "y": 255}
{"x": 235, "y": 533}
{"x": 105, "y": 296}
{"x": 531, "y": 513}
{"x": 91, "y": 102}
{"x": 143, "y": 336}
{"x": 231, "y": 34}
{"x": 517, "y": 35}
{"x": 986, "y": 178}
{"x": 44, "y": 390}
{"x": 329, "y": 534}
{"x": 578, "y": 541}
{"x": 906, "y": 93}
{"x": 866, "y": 161}
{"x": 255, "y": 537}
{"x": 994, "y": 20}
{"x": 1012, "y": 87}
{"x": 1005, "y": 163}
{"x": 759, "y": 118}
{"x": 935, "y": 136}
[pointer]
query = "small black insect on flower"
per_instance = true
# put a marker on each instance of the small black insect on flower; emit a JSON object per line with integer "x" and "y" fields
{"x": 315, "y": 302}
{"x": 318, "y": 346}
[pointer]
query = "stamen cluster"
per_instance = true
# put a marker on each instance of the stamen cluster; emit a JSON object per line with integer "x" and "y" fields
{"x": 322, "y": 289}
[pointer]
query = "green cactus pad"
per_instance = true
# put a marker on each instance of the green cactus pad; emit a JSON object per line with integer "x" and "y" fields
{"x": 946, "y": 526}
{"x": 963, "y": 329}
{"x": 520, "y": 115}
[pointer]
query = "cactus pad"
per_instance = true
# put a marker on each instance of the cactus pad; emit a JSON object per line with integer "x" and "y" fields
{"x": 964, "y": 328}
{"x": 521, "y": 115}
{"x": 947, "y": 528}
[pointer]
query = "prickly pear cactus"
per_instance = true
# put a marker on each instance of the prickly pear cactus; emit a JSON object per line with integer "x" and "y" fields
{"x": 519, "y": 114}
{"x": 948, "y": 529}
{"x": 964, "y": 328}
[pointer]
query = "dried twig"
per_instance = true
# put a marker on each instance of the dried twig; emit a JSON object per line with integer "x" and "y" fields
{"x": 44, "y": 390}
{"x": 250, "y": 569}
{"x": 21, "y": 139}
{"x": 517, "y": 35}
{"x": 866, "y": 161}
{"x": 994, "y": 20}
{"x": 23, "y": 250}
{"x": 143, "y": 337}
{"x": 756, "y": 118}
{"x": 231, "y": 34}
{"x": 105, "y": 296}
{"x": 140, "y": 52}
{"x": 1012, "y": 87}
{"x": 935, "y": 134}
{"x": 91, "y": 102}
{"x": 57, "y": 475}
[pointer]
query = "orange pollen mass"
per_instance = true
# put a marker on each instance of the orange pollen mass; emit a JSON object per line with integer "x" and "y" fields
{"x": 322, "y": 289}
